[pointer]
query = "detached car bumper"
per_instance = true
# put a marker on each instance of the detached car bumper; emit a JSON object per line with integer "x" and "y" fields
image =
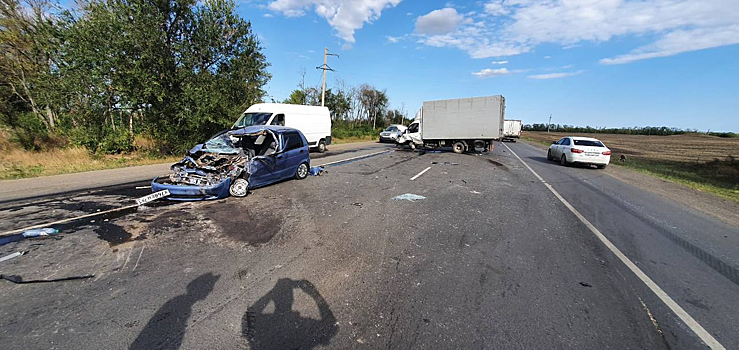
{"x": 191, "y": 193}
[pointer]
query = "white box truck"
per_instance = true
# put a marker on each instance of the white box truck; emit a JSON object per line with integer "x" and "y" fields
{"x": 314, "y": 122}
{"x": 511, "y": 130}
{"x": 463, "y": 124}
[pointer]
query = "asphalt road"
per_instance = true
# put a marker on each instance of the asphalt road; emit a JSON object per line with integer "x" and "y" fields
{"x": 488, "y": 259}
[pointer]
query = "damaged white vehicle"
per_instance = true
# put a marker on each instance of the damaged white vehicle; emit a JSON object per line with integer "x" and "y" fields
{"x": 235, "y": 161}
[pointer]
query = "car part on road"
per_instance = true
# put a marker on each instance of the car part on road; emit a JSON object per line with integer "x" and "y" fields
{"x": 47, "y": 231}
{"x": 11, "y": 256}
{"x": 316, "y": 171}
{"x": 408, "y": 197}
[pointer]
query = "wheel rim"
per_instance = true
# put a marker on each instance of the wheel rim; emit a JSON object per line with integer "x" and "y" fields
{"x": 321, "y": 147}
{"x": 239, "y": 188}
{"x": 302, "y": 170}
{"x": 458, "y": 148}
{"x": 563, "y": 160}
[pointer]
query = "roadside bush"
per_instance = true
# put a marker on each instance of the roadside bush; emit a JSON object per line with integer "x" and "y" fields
{"x": 114, "y": 142}
{"x": 341, "y": 130}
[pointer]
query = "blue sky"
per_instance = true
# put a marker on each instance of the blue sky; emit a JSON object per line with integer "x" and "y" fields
{"x": 587, "y": 62}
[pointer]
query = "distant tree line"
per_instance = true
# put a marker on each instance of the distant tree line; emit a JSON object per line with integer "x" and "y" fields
{"x": 355, "y": 110}
{"x": 645, "y": 130}
{"x": 112, "y": 70}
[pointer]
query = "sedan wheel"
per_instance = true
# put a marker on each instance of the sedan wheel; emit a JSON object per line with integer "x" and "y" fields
{"x": 563, "y": 160}
{"x": 239, "y": 188}
{"x": 302, "y": 171}
{"x": 549, "y": 155}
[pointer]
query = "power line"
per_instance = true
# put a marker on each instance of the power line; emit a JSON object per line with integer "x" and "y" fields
{"x": 324, "y": 68}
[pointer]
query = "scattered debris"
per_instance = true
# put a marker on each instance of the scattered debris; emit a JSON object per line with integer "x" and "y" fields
{"x": 474, "y": 192}
{"x": 11, "y": 256}
{"x": 357, "y": 204}
{"x": 19, "y": 279}
{"x": 584, "y": 284}
{"x": 622, "y": 158}
{"x": 46, "y": 231}
{"x": 316, "y": 170}
{"x": 408, "y": 197}
{"x": 142, "y": 187}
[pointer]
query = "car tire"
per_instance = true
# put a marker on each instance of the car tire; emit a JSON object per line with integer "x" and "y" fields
{"x": 602, "y": 166}
{"x": 549, "y": 155}
{"x": 302, "y": 171}
{"x": 239, "y": 187}
{"x": 412, "y": 145}
{"x": 563, "y": 160}
{"x": 321, "y": 146}
{"x": 458, "y": 147}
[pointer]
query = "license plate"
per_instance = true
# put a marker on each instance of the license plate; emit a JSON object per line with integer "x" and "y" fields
{"x": 592, "y": 154}
{"x": 152, "y": 197}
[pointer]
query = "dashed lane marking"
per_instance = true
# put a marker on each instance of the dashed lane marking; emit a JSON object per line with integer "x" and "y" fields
{"x": 421, "y": 173}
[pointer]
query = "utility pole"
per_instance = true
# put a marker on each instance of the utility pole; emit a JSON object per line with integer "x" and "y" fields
{"x": 324, "y": 68}
{"x": 550, "y": 122}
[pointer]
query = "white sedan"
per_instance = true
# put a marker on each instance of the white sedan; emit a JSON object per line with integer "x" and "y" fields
{"x": 583, "y": 150}
{"x": 392, "y": 133}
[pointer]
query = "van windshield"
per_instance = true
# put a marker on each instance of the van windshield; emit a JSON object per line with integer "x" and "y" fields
{"x": 249, "y": 119}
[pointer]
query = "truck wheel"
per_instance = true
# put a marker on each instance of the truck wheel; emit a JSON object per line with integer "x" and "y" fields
{"x": 458, "y": 147}
{"x": 322, "y": 146}
{"x": 239, "y": 188}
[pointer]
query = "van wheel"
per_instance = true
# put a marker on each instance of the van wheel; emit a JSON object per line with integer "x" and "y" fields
{"x": 302, "y": 171}
{"x": 239, "y": 187}
{"x": 322, "y": 146}
{"x": 458, "y": 147}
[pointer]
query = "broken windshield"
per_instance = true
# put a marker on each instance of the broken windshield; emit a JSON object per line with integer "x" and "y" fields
{"x": 249, "y": 119}
{"x": 221, "y": 143}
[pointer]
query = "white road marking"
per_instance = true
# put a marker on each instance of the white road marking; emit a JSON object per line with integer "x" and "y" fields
{"x": 128, "y": 257}
{"x": 353, "y": 158}
{"x": 139, "y": 259}
{"x": 421, "y": 173}
{"x": 701, "y": 332}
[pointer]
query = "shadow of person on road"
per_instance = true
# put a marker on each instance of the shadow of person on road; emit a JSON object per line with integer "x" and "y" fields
{"x": 166, "y": 328}
{"x": 285, "y": 328}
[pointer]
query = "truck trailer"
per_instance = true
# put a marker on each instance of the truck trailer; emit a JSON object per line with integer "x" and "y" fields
{"x": 464, "y": 124}
{"x": 511, "y": 130}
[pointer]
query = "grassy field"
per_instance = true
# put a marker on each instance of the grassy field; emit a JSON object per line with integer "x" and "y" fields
{"x": 706, "y": 163}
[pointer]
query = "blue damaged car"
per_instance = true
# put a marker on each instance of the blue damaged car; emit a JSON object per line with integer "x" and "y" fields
{"x": 236, "y": 161}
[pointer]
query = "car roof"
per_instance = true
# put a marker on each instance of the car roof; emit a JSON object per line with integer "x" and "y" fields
{"x": 582, "y": 138}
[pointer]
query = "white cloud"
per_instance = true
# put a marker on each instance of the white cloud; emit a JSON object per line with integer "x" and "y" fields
{"x": 680, "y": 41}
{"x": 438, "y": 22}
{"x": 267, "y": 15}
{"x": 554, "y": 75}
{"x": 499, "y": 62}
{"x": 511, "y": 27}
{"x": 494, "y": 72}
{"x": 547, "y": 57}
{"x": 344, "y": 16}
{"x": 393, "y": 39}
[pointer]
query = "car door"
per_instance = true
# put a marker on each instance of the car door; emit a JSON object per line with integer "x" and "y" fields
{"x": 565, "y": 146}
{"x": 293, "y": 153}
{"x": 556, "y": 147}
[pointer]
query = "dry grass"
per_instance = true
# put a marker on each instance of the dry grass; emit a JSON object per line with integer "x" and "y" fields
{"x": 703, "y": 162}
{"x": 354, "y": 139}
{"x": 17, "y": 163}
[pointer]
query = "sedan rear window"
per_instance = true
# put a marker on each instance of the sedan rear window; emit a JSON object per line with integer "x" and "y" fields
{"x": 588, "y": 143}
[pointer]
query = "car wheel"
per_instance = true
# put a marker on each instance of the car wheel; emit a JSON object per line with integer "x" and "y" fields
{"x": 458, "y": 147}
{"x": 321, "y": 146}
{"x": 302, "y": 171}
{"x": 549, "y": 155}
{"x": 412, "y": 145}
{"x": 563, "y": 160}
{"x": 239, "y": 187}
{"x": 602, "y": 166}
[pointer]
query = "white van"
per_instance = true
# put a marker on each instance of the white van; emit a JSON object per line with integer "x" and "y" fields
{"x": 314, "y": 122}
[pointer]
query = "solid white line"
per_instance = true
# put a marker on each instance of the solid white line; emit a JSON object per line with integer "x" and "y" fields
{"x": 706, "y": 337}
{"x": 357, "y": 157}
{"x": 421, "y": 173}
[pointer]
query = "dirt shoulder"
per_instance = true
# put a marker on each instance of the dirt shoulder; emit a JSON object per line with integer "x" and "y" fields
{"x": 709, "y": 204}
